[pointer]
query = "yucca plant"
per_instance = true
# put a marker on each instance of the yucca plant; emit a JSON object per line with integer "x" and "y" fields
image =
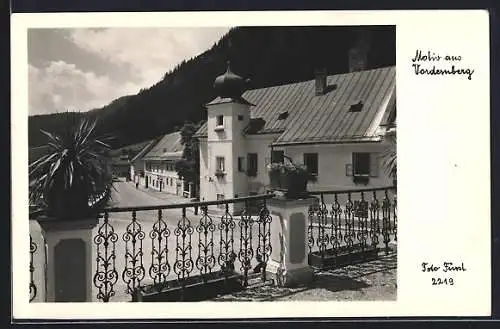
{"x": 72, "y": 174}
{"x": 389, "y": 156}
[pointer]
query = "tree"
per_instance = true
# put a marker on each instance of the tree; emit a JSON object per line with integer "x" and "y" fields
{"x": 189, "y": 166}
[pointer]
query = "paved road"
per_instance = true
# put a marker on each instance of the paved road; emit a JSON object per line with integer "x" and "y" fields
{"x": 125, "y": 194}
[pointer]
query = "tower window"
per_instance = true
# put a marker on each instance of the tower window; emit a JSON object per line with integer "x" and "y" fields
{"x": 220, "y": 120}
{"x": 252, "y": 164}
{"x": 240, "y": 117}
{"x": 241, "y": 160}
{"x": 220, "y": 164}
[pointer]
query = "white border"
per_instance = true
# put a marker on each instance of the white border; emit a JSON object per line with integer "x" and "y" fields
{"x": 443, "y": 169}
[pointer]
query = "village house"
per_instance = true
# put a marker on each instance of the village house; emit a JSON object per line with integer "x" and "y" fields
{"x": 159, "y": 166}
{"x": 137, "y": 163}
{"x": 335, "y": 125}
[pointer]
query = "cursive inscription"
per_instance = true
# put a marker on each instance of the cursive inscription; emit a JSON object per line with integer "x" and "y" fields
{"x": 450, "y": 268}
{"x": 434, "y": 64}
{"x": 445, "y": 267}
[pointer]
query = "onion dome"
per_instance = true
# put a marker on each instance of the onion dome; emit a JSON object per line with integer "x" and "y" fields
{"x": 229, "y": 85}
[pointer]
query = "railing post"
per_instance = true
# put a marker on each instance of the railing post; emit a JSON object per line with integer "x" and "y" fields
{"x": 69, "y": 258}
{"x": 288, "y": 264}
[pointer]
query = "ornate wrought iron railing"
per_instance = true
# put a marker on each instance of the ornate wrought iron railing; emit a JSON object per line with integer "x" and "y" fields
{"x": 348, "y": 223}
{"x": 33, "y": 214}
{"x": 33, "y": 287}
{"x": 158, "y": 245}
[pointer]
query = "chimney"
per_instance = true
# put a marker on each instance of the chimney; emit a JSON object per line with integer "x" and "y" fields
{"x": 320, "y": 77}
{"x": 358, "y": 55}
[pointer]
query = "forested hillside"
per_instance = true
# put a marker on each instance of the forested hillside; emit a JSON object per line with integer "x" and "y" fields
{"x": 265, "y": 55}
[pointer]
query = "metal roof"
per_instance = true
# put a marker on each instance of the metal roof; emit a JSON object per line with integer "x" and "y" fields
{"x": 169, "y": 147}
{"x": 324, "y": 118}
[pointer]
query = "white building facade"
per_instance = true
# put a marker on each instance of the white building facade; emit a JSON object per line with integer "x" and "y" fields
{"x": 159, "y": 165}
{"x": 335, "y": 125}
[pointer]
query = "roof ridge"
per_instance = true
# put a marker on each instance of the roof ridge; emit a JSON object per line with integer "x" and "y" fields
{"x": 328, "y": 76}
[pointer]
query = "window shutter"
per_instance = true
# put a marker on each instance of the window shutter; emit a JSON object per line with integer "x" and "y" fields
{"x": 348, "y": 169}
{"x": 374, "y": 164}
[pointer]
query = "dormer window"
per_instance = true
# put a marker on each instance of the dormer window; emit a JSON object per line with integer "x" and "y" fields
{"x": 283, "y": 115}
{"x": 356, "y": 107}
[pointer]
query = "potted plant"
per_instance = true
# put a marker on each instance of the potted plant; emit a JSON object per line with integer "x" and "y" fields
{"x": 289, "y": 177}
{"x": 390, "y": 160}
{"x": 73, "y": 180}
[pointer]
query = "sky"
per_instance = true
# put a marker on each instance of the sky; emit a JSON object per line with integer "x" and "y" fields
{"x": 82, "y": 69}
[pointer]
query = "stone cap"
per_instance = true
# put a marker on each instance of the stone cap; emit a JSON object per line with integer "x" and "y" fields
{"x": 56, "y": 224}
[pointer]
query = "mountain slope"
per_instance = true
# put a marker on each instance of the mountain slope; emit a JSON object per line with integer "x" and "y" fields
{"x": 266, "y": 55}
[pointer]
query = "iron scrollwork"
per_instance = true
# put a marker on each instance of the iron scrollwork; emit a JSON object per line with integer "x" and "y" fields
{"x": 322, "y": 215}
{"x": 264, "y": 247}
{"x": 227, "y": 256}
{"x": 205, "y": 262}
{"x": 134, "y": 271}
{"x": 106, "y": 275}
{"x": 160, "y": 267}
{"x": 33, "y": 288}
{"x": 349, "y": 229}
{"x": 183, "y": 265}
{"x": 374, "y": 220}
{"x": 246, "y": 253}
{"x": 336, "y": 234}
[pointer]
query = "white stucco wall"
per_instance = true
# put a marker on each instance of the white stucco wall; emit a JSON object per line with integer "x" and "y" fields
{"x": 332, "y": 161}
{"x": 231, "y": 144}
{"x": 170, "y": 178}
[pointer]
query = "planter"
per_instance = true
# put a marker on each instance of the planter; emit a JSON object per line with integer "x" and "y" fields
{"x": 293, "y": 184}
{"x": 274, "y": 179}
{"x": 342, "y": 256}
{"x": 69, "y": 204}
{"x": 193, "y": 289}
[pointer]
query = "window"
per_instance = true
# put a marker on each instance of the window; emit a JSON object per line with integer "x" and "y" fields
{"x": 277, "y": 156}
{"x": 241, "y": 161}
{"x": 311, "y": 162}
{"x": 220, "y": 120}
{"x": 361, "y": 164}
{"x": 220, "y": 165}
{"x": 240, "y": 118}
{"x": 252, "y": 164}
{"x": 364, "y": 166}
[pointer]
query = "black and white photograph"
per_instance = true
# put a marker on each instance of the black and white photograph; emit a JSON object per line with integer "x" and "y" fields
{"x": 250, "y": 165}
{"x": 212, "y": 164}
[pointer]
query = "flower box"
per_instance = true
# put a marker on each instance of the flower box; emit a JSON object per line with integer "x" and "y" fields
{"x": 219, "y": 173}
{"x": 290, "y": 178}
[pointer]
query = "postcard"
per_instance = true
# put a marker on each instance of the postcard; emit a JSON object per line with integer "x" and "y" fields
{"x": 250, "y": 164}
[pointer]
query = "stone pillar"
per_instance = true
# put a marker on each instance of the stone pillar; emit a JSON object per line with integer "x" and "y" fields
{"x": 69, "y": 259}
{"x": 288, "y": 264}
